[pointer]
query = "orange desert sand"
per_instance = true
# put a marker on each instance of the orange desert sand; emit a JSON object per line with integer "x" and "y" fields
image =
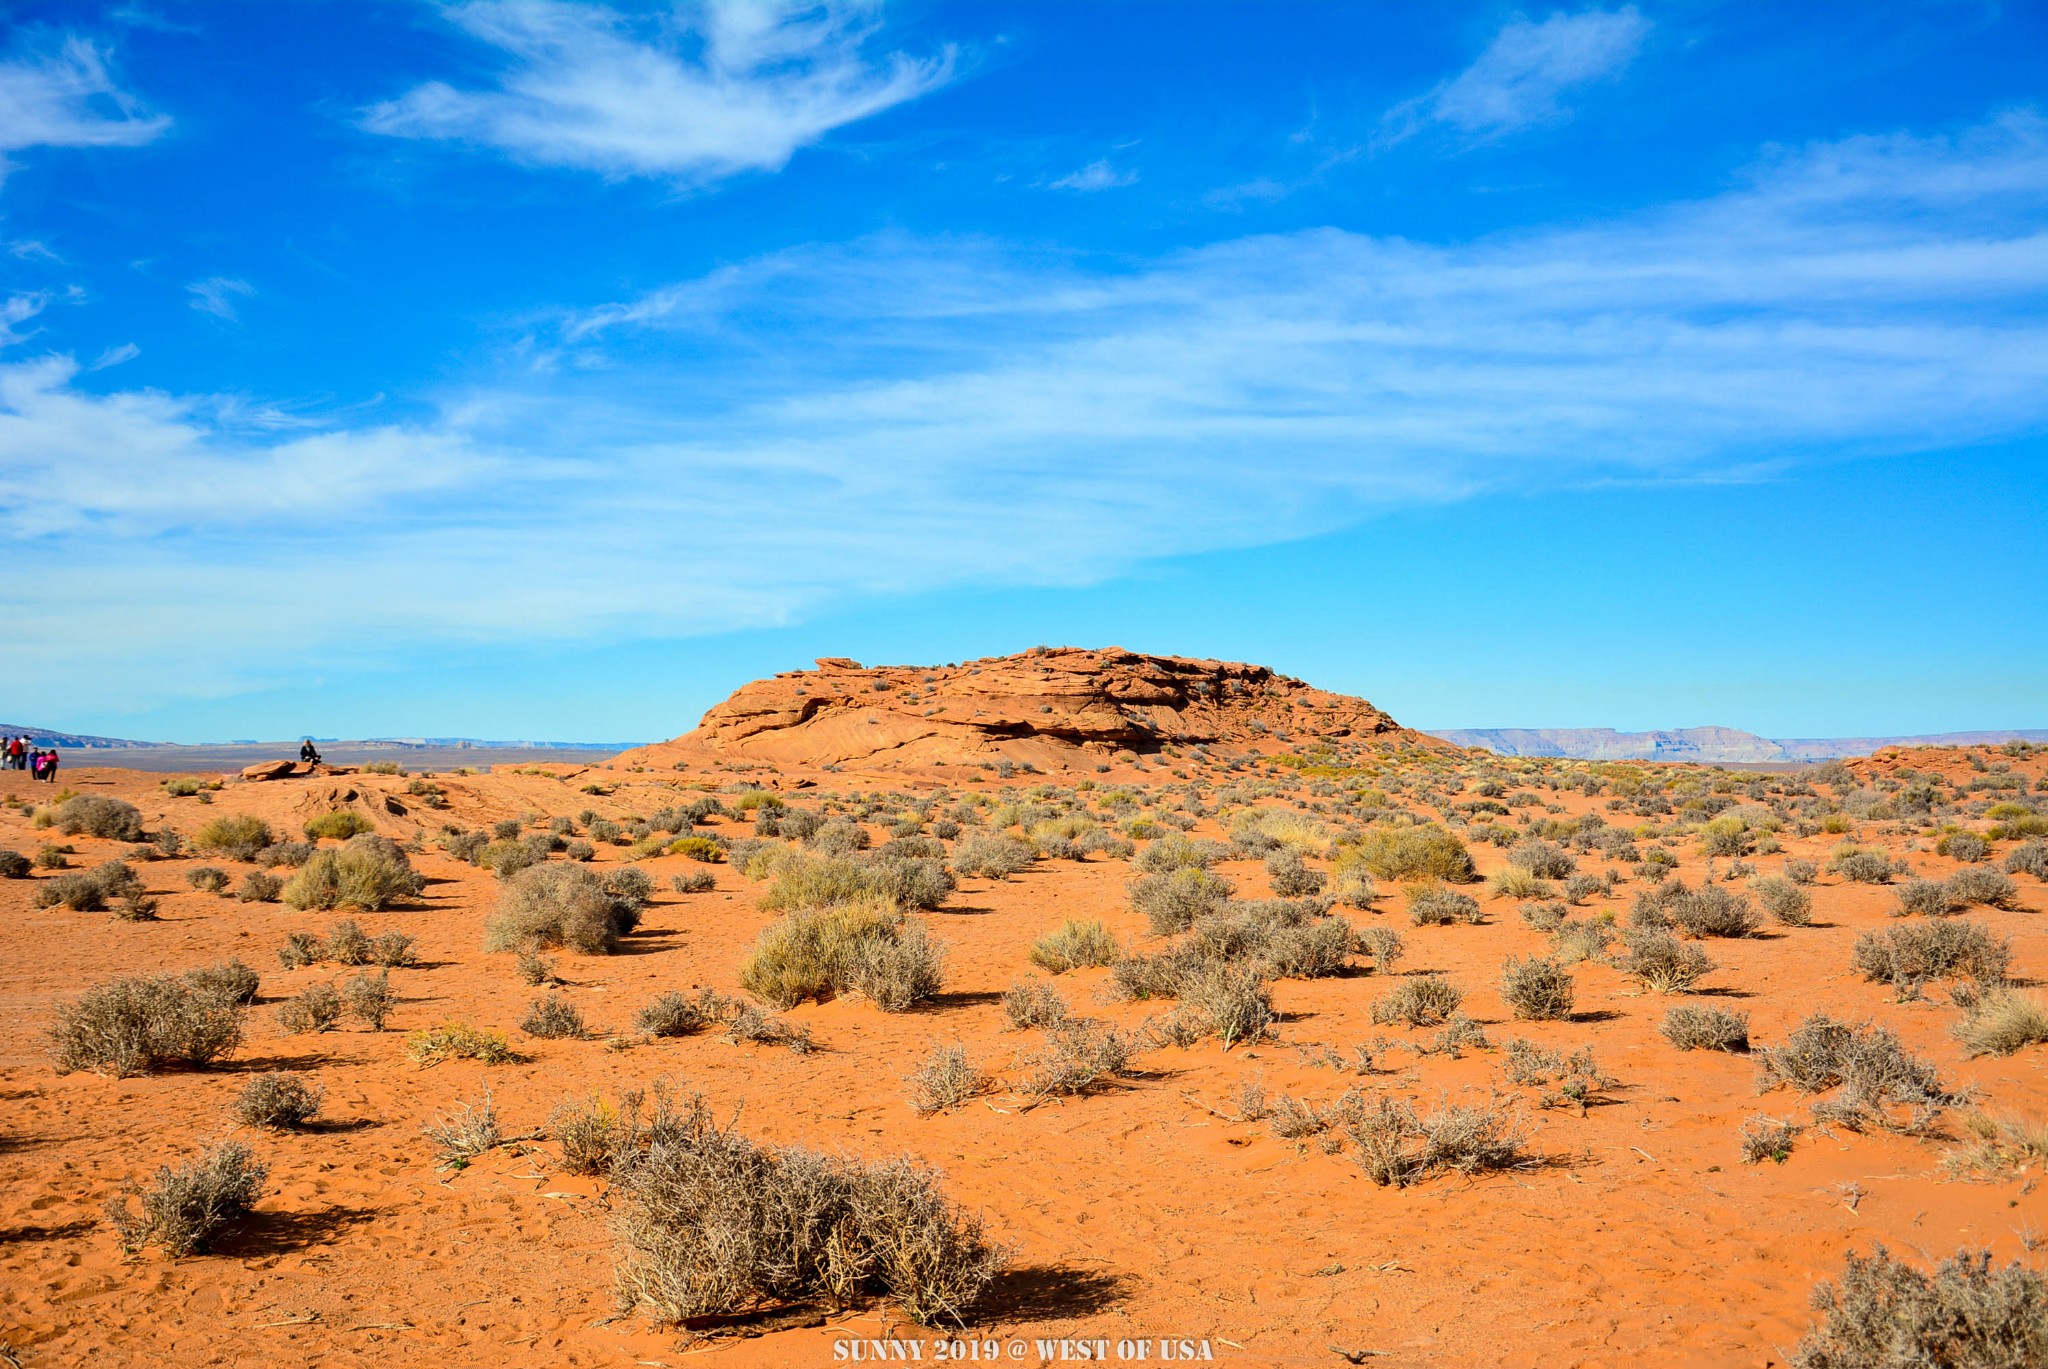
{"x": 1629, "y": 1231}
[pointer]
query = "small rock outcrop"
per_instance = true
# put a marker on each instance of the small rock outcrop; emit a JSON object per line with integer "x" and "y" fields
{"x": 1050, "y": 706}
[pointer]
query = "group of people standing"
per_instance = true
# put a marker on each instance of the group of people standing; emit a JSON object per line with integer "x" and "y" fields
{"x": 40, "y": 764}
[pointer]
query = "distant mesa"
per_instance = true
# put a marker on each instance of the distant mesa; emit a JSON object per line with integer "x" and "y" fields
{"x": 1053, "y": 707}
{"x": 1706, "y": 745}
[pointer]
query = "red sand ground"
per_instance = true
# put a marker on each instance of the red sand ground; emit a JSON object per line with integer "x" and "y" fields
{"x": 1141, "y": 1211}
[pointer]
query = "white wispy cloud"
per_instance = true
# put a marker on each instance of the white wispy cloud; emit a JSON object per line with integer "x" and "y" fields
{"x": 216, "y": 296}
{"x": 696, "y": 96}
{"x": 898, "y": 414}
{"x": 64, "y": 97}
{"x": 1097, "y": 175}
{"x": 1516, "y": 82}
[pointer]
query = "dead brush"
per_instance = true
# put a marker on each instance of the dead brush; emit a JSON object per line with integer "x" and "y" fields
{"x": 1706, "y": 1029}
{"x": 1537, "y": 989}
{"x": 710, "y": 1222}
{"x": 369, "y": 998}
{"x": 317, "y": 1008}
{"x": 1396, "y": 1146}
{"x": 139, "y": 1025}
{"x": 1998, "y": 1147}
{"x": 1885, "y": 1314}
{"x": 594, "y": 1133}
{"x": 1076, "y": 944}
{"x": 553, "y": 1018}
{"x": 746, "y": 1023}
{"x": 1032, "y": 1002}
{"x": 1423, "y": 1001}
{"x": 277, "y": 1100}
{"x": 1080, "y": 1055}
{"x": 945, "y": 1079}
{"x": 463, "y": 1135}
{"x": 2001, "y": 1022}
{"x": 185, "y": 1209}
{"x": 1295, "y": 1119}
{"x": 1767, "y": 1138}
{"x": 1873, "y": 1074}
{"x": 1661, "y": 962}
{"x": 1577, "y": 1077}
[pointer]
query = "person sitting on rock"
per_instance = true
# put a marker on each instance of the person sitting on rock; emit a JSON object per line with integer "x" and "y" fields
{"x": 308, "y": 753}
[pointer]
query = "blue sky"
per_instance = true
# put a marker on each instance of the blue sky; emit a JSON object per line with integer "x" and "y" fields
{"x": 537, "y": 369}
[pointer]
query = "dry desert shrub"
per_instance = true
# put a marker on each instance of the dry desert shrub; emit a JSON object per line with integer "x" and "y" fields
{"x": 1911, "y": 954}
{"x": 369, "y": 998}
{"x": 803, "y": 880}
{"x": 461, "y": 1136}
{"x": 1031, "y": 1002}
{"x": 1998, "y": 1147}
{"x": 560, "y": 905}
{"x": 1536, "y": 989}
{"x": 1712, "y": 910}
{"x": 816, "y": 953}
{"x": 208, "y": 879}
{"x": 340, "y": 824}
{"x": 1424, "y": 1001}
{"x": 1963, "y": 846}
{"x": 1432, "y": 905}
{"x": 2030, "y": 858}
{"x": 185, "y": 1209}
{"x": 1172, "y": 900}
{"x": 260, "y": 887}
{"x": 317, "y": 1008}
{"x": 1543, "y": 859}
{"x": 1706, "y": 1029}
{"x": 1873, "y": 1075}
{"x": 710, "y": 1222}
{"x": 946, "y": 1078}
{"x": 96, "y": 815}
{"x": 1175, "y": 851}
{"x": 1544, "y": 917}
{"x": 239, "y": 837}
{"x": 1784, "y": 900}
{"x": 1421, "y": 852}
{"x": 1291, "y": 875}
{"x": 1230, "y": 1002}
{"x": 91, "y": 891}
{"x": 277, "y": 1100}
{"x": 1076, "y": 944}
{"x": 1661, "y": 962}
{"x": 1517, "y": 883}
{"x": 457, "y": 1041}
{"x": 677, "y": 1014}
{"x": 1766, "y": 1138}
{"x": 593, "y": 1134}
{"x": 135, "y": 1026}
{"x": 1079, "y": 1055}
{"x": 695, "y": 882}
{"x": 2002, "y": 1021}
{"x": 14, "y": 865}
{"x": 992, "y": 856}
{"x": 1575, "y": 942}
{"x": 552, "y": 1018}
{"x": 1862, "y": 867}
{"x": 1983, "y": 887}
{"x": 369, "y": 873}
{"x": 1886, "y": 1314}
{"x": 535, "y": 968}
{"x": 1396, "y": 1146}
{"x": 746, "y": 1023}
{"x": 1925, "y": 898}
{"x": 228, "y": 980}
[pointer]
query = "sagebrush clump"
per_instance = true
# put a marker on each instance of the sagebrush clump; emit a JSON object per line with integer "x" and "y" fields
{"x": 710, "y": 1222}
{"x": 1886, "y": 1314}
{"x": 184, "y": 1210}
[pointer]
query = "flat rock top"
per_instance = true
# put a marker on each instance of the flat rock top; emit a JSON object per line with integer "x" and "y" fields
{"x": 1043, "y": 701}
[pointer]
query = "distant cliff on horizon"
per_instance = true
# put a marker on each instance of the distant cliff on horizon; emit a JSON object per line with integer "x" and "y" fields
{"x": 1705, "y": 745}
